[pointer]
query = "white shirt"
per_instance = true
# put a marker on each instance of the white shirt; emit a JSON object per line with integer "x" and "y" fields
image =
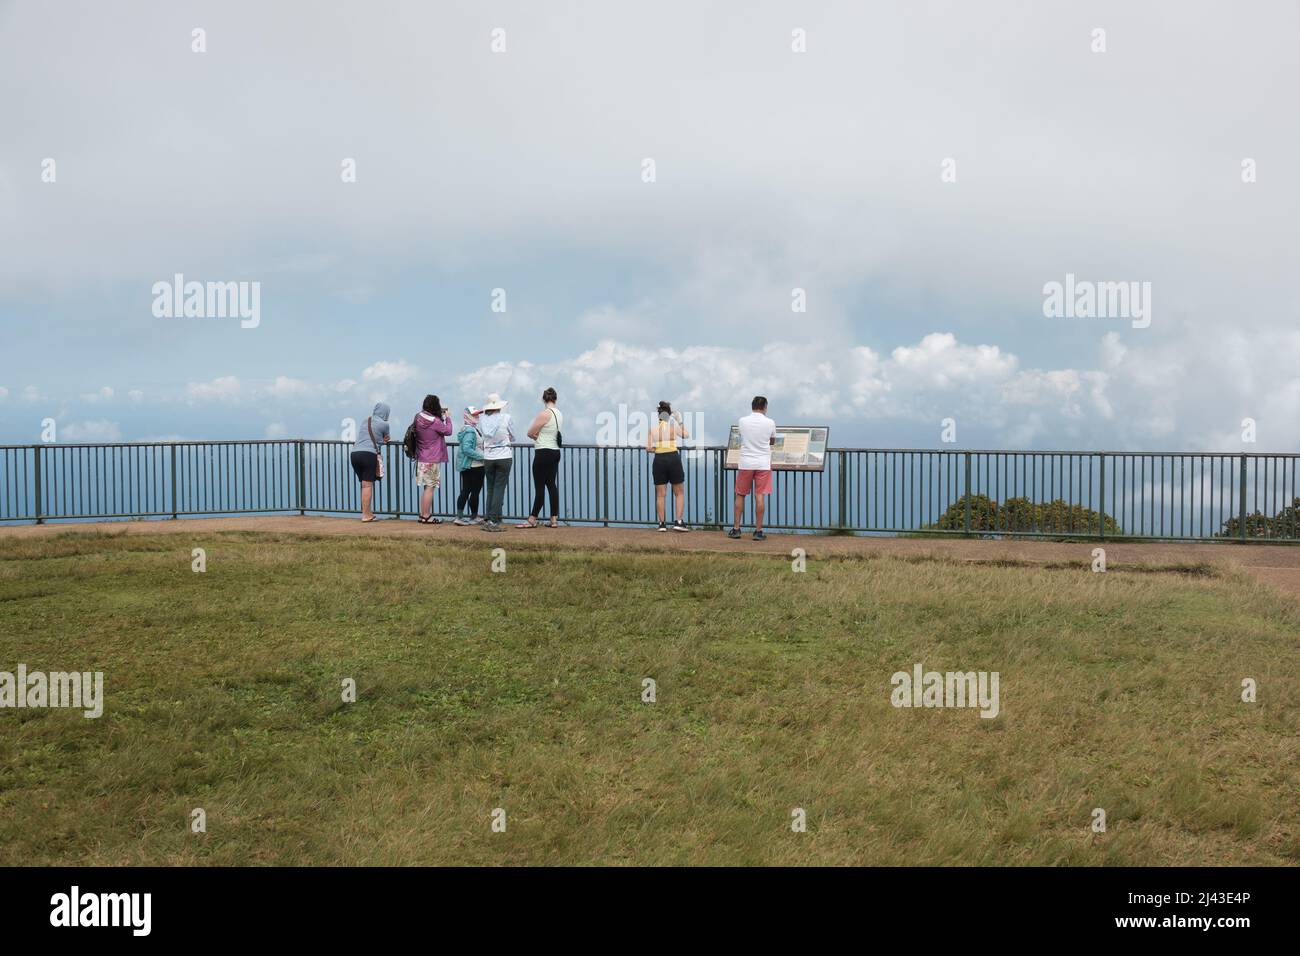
{"x": 497, "y": 435}
{"x": 756, "y": 434}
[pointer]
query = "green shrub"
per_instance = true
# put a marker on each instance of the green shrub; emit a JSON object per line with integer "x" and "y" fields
{"x": 1284, "y": 524}
{"x": 1022, "y": 515}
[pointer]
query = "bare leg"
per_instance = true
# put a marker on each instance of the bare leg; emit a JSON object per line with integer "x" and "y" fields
{"x": 367, "y": 496}
{"x": 679, "y": 497}
{"x": 740, "y": 510}
{"x": 660, "y": 491}
{"x": 426, "y": 501}
{"x": 759, "y": 502}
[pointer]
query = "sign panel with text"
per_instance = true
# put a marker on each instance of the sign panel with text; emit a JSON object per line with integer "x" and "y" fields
{"x": 797, "y": 448}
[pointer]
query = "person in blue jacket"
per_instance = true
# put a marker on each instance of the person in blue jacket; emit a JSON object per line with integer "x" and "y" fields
{"x": 469, "y": 463}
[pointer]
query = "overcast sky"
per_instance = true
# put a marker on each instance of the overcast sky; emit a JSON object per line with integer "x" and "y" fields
{"x": 775, "y": 170}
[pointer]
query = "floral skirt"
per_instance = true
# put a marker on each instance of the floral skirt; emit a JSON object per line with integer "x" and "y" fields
{"x": 428, "y": 474}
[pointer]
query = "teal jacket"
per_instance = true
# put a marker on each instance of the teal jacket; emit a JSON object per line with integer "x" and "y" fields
{"x": 467, "y": 448}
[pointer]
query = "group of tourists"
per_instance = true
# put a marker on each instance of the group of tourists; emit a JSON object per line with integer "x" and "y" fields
{"x": 485, "y": 456}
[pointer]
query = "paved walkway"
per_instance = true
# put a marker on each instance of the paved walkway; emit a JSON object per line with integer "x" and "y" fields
{"x": 1276, "y": 564}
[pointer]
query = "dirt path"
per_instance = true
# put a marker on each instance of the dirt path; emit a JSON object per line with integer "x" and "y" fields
{"x": 1277, "y": 565}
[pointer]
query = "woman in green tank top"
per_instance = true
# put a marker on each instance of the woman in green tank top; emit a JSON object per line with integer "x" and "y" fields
{"x": 546, "y": 432}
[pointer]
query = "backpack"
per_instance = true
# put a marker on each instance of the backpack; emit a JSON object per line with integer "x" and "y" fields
{"x": 410, "y": 442}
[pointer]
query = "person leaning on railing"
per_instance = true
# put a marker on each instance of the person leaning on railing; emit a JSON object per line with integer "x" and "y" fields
{"x": 470, "y": 464}
{"x": 495, "y": 427}
{"x": 545, "y": 433}
{"x": 365, "y": 457}
{"x": 661, "y": 440}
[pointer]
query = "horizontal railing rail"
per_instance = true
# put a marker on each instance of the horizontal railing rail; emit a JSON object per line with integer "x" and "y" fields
{"x": 974, "y": 492}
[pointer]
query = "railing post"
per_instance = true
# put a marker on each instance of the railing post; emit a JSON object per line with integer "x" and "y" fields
{"x": 1241, "y": 510}
{"x": 175, "y": 510}
{"x": 844, "y": 488}
{"x": 726, "y": 506}
{"x": 968, "y": 491}
{"x": 36, "y": 449}
{"x": 301, "y": 482}
{"x": 602, "y": 475}
{"x": 1101, "y": 503}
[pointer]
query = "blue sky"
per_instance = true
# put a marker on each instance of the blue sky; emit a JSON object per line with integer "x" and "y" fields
{"x": 775, "y": 170}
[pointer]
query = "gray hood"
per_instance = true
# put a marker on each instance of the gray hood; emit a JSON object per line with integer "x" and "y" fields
{"x": 381, "y": 410}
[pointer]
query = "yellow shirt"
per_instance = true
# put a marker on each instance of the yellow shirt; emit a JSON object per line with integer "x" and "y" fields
{"x": 668, "y": 444}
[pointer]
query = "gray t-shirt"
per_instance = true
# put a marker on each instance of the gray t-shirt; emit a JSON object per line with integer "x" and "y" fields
{"x": 378, "y": 425}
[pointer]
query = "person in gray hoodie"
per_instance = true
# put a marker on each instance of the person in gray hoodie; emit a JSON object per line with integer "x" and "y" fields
{"x": 365, "y": 456}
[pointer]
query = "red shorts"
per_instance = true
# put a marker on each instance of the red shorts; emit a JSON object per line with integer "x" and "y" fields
{"x": 751, "y": 479}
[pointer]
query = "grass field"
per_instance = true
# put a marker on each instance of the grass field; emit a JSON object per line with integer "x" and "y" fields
{"x": 522, "y": 690}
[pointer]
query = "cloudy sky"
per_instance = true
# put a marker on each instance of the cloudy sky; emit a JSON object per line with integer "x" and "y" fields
{"x": 524, "y": 170}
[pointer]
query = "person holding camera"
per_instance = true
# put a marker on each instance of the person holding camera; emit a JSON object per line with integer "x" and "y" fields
{"x": 661, "y": 441}
{"x": 432, "y": 426}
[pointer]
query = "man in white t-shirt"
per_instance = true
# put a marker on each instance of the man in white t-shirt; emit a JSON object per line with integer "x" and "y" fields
{"x": 757, "y": 436}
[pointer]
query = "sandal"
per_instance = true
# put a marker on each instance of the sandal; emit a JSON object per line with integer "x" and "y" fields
{"x": 527, "y": 524}
{"x": 431, "y": 520}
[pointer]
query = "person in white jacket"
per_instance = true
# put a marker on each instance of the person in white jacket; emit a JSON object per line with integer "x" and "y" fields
{"x": 496, "y": 428}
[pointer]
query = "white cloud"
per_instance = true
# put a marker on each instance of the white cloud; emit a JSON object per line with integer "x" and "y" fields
{"x": 291, "y": 388}
{"x": 920, "y": 384}
{"x": 1069, "y": 393}
{"x": 390, "y": 374}
{"x": 104, "y": 394}
{"x": 226, "y": 388}
{"x": 91, "y": 431}
{"x": 135, "y": 395}
{"x": 939, "y": 362}
{"x": 4, "y": 393}
{"x": 277, "y": 430}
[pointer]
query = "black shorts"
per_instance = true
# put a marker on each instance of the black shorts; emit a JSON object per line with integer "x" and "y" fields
{"x": 668, "y": 468}
{"x": 366, "y": 465}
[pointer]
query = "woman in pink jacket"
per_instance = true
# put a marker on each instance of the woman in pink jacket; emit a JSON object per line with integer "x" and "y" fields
{"x": 432, "y": 426}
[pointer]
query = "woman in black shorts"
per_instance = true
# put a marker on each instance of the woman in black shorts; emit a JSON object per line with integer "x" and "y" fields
{"x": 667, "y": 469}
{"x": 365, "y": 456}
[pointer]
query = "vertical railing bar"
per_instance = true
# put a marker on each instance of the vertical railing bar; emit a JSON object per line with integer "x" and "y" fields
{"x": 1241, "y": 508}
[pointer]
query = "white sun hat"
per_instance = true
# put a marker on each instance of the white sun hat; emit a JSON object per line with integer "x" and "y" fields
{"x": 494, "y": 403}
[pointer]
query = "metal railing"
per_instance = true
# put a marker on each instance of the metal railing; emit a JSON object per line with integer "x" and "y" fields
{"x": 1165, "y": 495}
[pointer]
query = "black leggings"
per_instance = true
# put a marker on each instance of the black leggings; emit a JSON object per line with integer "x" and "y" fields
{"x": 471, "y": 483}
{"x": 546, "y": 469}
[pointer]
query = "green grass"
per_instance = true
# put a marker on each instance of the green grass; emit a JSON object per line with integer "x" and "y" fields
{"x": 522, "y": 690}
